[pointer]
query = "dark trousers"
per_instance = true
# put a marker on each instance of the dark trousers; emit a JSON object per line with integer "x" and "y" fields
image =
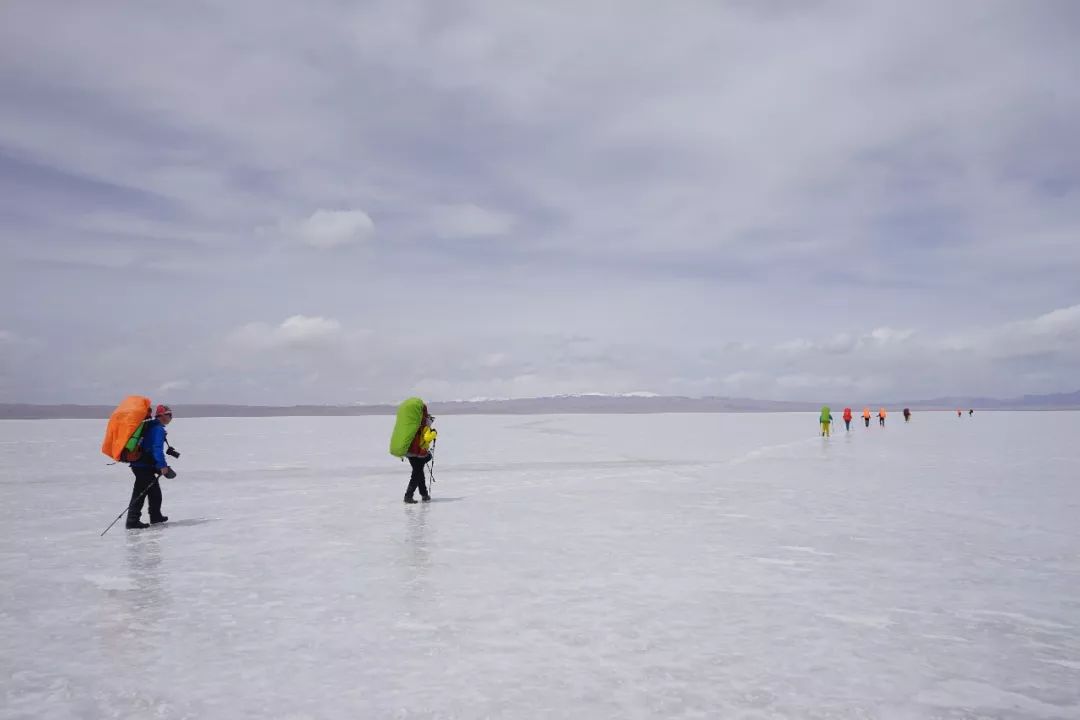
{"x": 847, "y": 424}
{"x": 417, "y": 479}
{"x": 867, "y": 421}
{"x": 146, "y": 485}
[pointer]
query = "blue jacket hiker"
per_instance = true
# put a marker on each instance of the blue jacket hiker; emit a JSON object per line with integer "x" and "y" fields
{"x": 148, "y": 467}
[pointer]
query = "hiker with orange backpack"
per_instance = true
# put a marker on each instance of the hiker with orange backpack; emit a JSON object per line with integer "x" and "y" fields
{"x": 148, "y": 465}
{"x": 866, "y": 416}
{"x": 136, "y": 435}
{"x": 881, "y": 414}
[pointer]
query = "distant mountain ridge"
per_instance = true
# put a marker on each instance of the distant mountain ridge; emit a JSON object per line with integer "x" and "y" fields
{"x": 630, "y": 403}
{"x": 1053, "y": 401}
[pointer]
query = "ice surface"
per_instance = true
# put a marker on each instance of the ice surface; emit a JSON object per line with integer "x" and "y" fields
{"x": 711, "y": 566}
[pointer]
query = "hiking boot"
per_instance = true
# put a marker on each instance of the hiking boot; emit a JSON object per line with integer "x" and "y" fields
{"x": 425, "y": 498}
{"x": 136, "y": 524}
{"x": 159, "y": 519}
{"x": 411, "y": 501}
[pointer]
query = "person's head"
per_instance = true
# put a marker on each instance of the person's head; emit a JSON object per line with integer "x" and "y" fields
{"x": 163, "y": 414}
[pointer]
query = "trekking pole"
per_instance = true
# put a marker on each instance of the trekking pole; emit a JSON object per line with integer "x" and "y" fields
{"x": 433, "y": 461}
{"x": 128, "y": 508}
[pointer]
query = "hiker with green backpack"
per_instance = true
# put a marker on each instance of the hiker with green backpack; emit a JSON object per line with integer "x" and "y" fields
{"x": 413, "y": 438}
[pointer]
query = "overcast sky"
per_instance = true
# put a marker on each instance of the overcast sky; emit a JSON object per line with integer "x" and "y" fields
{"x": 287, "y": 202}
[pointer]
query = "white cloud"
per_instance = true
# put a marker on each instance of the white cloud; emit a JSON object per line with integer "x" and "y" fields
{"x": 1053, "y": 333}
{"x": 296, "y": 332}
{"x": 1063, "y": 323}
{"x": 844, "y": 343}
{"x": 326, "y": 229}
{"x": 173, "y": 385}
{"x": 453, "y": 222}
{"x": 884, "y": 335}
{"x": 494, "y": 360}
{"x": 839, "y": 344}
{"x": 301, "y": 330}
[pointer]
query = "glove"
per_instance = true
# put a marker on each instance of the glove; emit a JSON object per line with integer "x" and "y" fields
{"x": 168, "y": 472}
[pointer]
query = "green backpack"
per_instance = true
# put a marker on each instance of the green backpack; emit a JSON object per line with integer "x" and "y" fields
{"x": 410, "y": 416}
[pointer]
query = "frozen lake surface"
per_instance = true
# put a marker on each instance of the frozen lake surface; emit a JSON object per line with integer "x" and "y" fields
{"x": 657, "y": 566}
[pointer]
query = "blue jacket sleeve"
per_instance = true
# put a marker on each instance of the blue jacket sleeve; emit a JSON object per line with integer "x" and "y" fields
{"x": 157, "y": 446}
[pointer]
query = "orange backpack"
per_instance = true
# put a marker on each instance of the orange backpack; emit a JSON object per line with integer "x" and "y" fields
{"x": 124, "y": 430}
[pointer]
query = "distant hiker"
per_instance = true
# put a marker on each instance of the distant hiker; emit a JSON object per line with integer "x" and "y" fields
{"x": 826, "y": 420}
{"x": 970, "y": 413}
{"x": 881, "y": 417}
{"x": 148, "y": 467}
{"x": 847, "y": 418}
{"x": 907, "y": 415}
{"x": 412, "y": 438}
{"x": 958, "y": 412}
{"x": 420, "y": 455}
{"x": 866, "y": 416}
